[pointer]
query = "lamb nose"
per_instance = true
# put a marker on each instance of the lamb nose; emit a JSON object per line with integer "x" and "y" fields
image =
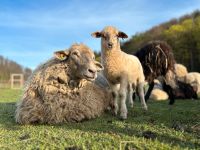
{"x": 110, "y": 44}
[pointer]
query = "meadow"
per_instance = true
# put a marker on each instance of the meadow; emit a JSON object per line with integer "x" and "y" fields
{"x": 162, "y": 127}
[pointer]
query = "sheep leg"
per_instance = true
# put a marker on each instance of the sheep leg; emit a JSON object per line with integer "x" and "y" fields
{"x": 168, "y": 89}
{"x": 130, "y": 95}
{"x": 141, "y": 95}
{"x": 115, "y": 97}
{"x": 122, "y": 96}
{"x": 151, "y": 85}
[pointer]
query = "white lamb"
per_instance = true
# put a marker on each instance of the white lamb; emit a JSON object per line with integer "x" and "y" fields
{"x": 120, "y": 68}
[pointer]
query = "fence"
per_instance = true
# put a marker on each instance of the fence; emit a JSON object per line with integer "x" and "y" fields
{"x": 16, "y": 82}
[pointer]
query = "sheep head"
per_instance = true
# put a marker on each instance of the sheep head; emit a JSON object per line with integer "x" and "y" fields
{"x": 81, "y": 61}
{"x": 110, "y": 37}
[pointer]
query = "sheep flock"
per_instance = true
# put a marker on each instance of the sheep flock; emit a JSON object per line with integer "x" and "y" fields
{"x": 72, "y": 86}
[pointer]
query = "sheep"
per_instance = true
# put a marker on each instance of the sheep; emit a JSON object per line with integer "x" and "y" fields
{"x": 63, "y": 89}
{"x": 157, "y": 60}
{"x": 183, "y": 91}
{"x": 193, "y": 78}
{"x": 180, "y": 71}
{"x": 120, "y": 69}
{"x": 158, "y": 94}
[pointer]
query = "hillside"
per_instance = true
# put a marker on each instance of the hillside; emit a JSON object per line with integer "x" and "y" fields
{"x": 8, "y": 66}
{"x": 183, "y": 34}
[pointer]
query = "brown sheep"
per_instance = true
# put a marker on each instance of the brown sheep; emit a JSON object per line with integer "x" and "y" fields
{"x": 62, "y": 89}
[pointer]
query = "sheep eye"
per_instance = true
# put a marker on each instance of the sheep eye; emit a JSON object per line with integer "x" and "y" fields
{"x": 75, "y": 54}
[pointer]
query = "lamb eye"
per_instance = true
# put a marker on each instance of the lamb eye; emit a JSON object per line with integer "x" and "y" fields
{"x": 105, "y": 37}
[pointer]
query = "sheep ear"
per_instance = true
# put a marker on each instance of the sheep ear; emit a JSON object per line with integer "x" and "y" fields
{"x": 61, "y": 55}
{"x": 99, "y": 66}
{"x": 122, "y": 35}
{"x": 96, "y": 34}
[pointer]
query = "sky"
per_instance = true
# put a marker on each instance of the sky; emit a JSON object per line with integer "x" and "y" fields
{"x": 31, "y": 30}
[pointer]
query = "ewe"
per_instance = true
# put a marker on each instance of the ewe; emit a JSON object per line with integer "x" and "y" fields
{"x": 180, "y": 71}
{"x": 157, "y": 60}
{"x": 193, "y": 78}
{"x": 61, "y": 90}
{"x": 120, "y": 68}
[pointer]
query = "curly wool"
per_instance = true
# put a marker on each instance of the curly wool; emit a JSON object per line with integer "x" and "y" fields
{"x": 51, "y": 97}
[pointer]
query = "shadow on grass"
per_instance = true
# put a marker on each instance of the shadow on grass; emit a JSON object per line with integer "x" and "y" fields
{"x": 7, "y": 119}
{"x": 160, "y": 116}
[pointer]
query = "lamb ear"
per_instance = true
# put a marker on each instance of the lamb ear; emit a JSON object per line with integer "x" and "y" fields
{"x": 122, "y": 35}
{"x": 61, "y": 55}
{"x": 99, "y": 66}
{"x": 96, "y": 34}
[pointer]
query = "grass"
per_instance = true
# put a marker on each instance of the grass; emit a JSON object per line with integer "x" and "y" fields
{"x": 162, "y": 127}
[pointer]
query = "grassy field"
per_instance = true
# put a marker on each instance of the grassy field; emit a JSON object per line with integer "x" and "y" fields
{"x": 162, "y": 127}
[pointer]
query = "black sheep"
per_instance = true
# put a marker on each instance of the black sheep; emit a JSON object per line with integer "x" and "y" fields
{"x": 184, "y": 91}
{"x": 157, "y": 60}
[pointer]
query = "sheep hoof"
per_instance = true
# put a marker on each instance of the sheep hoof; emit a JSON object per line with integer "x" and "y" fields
{"x": 115, "y": 113}
{"x": 123, "y": 116}
{"x": 131, "y": 105}
{"x": 145, "y": 108}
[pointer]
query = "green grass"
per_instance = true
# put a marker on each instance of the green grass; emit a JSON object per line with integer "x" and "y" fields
{"x": 162, "y": 127}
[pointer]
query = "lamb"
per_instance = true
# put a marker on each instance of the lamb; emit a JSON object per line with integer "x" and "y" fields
{"x": 157, "y": 60}
{"x": 180, "y": 71}
{"x": 120, "y": 69}
{"x": 63, "y": 89}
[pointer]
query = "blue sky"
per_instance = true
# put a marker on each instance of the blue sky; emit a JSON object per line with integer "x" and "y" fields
{"x": 31, "y": 30}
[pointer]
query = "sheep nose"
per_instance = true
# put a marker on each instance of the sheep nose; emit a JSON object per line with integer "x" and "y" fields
{"x": 110, "y": 45}
{"x": 92, "y": 71}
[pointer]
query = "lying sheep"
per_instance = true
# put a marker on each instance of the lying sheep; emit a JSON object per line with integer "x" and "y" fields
{"x": 120, "y": 68}
{"x": 180, "y": 71}
{"x": 183, "y": 91}
{"x": 62, "y": 89}
{"x": 157, "y": 60}
{"x": 158, "y": 94}
{"x": 193, "y": 78}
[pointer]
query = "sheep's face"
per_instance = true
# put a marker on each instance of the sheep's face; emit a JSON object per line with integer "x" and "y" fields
{"x": 110, "y": 37}
{"x": 81, "y": 61}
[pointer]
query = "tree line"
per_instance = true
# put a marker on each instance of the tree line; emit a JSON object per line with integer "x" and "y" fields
{"x": 182, "y": 34}
{"x": 7, "y": 67}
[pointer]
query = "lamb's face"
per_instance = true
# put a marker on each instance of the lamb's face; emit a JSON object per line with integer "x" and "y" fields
{"x": 82, "y": 62}
{"x": 110, "y": 37}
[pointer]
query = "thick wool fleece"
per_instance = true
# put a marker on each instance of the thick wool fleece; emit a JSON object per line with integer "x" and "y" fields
{"x": 51, "y": 97}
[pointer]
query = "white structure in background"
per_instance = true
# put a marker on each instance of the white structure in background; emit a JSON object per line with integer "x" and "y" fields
{"x": 17, "y": 81}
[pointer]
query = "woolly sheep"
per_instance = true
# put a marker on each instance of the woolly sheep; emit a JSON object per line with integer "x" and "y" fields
{"x": 193, "y": 78}
{"x": 183, "y": 91}
{"x": 120, "y": 69}
{"x": 157, "y": 60}
{"x": 62, "y": 89}
{"x": 158, "y": 94}
{"x": 180, "y": 71}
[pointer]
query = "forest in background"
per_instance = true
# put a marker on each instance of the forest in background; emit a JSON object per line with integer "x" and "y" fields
{"x": 182, "y": 34}
{"x": 7, "y": 67}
